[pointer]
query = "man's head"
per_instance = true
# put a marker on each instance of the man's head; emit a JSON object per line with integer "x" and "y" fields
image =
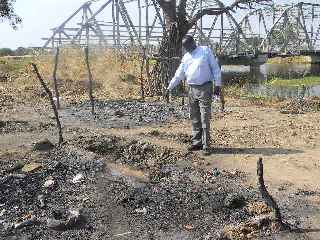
{"x": 188, "y": 43}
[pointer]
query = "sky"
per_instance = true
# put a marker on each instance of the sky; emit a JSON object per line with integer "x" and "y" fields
{"x": 39, "y": 16}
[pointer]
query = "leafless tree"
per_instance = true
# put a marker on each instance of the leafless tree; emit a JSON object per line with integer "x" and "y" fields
{"x": 178, "y": 23}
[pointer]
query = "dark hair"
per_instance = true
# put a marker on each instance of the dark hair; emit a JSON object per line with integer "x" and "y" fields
{"x": 188, "y": 38}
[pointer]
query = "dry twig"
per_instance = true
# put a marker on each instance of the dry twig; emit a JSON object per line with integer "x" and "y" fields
{"x": 49, "y": 93}
{"x": 266, "y": 195}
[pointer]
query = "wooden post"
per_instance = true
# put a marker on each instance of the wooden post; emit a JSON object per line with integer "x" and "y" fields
{"x": 56, "y": 89}
{"x": 54, "y": 108}
{"x": 86, "y": 50}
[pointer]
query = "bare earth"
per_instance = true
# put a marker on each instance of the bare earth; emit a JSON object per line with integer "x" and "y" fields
{"x": 288, "y": 143}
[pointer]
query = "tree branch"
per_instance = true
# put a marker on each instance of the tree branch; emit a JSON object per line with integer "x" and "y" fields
{"x": 242, "y": 4}
{"x": 54, "y": 108}
{"x": 169, "y": 8}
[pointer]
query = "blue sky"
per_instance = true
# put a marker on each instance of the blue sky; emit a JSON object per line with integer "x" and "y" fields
{"x": 41, "y": 15}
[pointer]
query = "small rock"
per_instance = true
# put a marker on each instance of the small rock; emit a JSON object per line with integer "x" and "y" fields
{"x": 17, "y": 166}
{"x": 65, "y": 219}
{"x": 141, "y": 210}
{"x": 118, "y": 113}
{"x": 189, "y": 227}
{"x": 49, "y": 183}
{"x": 25, "y": 221}
{"x": 234, "y": 201}
{"x": 32, "y": 167}
{"x": 78, "y": 178}
{"x": 41, "y": 200}
{"x": 216, "y": 172}
{"x": 2, "y": 212}
{"x": 44, "y": 145}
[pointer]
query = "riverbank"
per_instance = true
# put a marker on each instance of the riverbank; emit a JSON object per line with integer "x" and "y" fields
{"x": 290, "y": 60}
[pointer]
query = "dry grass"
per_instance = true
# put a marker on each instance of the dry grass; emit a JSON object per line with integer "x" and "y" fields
{"x": 116, "y": 75}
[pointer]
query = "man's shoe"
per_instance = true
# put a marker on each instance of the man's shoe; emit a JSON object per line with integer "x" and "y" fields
{"x": 206, "y": 152}
{"x": 194, "y": 148}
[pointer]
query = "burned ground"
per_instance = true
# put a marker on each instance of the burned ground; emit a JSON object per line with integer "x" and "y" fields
{"x": 136, "y": 182}
{"x": 128, "y": 186}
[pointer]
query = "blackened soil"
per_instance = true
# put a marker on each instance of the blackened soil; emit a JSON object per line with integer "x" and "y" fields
{"x": 126, "y": 114}
{"x": 174, "y": 200}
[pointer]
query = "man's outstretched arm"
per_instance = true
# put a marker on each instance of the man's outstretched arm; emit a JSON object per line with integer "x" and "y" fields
{"x": 178, "y": 77}
{"x": 215, "y": 68}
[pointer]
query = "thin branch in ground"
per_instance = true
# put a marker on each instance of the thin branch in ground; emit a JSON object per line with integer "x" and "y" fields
{"x": 56, "y": 62}
{"x": 86, "y": 51}
{"x": 266, "y": 195}
{"x": 49, "y": 93}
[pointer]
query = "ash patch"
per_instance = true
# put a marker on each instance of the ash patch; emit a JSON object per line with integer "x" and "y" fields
{"x": 174, "y": 199}
{"x": 177, "y": 198}
{"x": 127, "y": 114}
{"x": 23, "y": 194}
{"x": 138, "y": 154}
{"x": 15, "y": 126}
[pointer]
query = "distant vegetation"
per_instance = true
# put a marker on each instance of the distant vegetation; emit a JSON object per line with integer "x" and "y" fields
{"x": 21, "y": 51}
{"x": 290, "y": 60}
{"x": 296, "y": 82}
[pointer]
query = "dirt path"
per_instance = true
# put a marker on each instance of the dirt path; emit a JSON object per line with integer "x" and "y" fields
{"x": 288, "y": 143}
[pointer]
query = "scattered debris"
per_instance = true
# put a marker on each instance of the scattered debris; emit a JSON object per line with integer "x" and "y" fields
{"x": 258, "y": 208}
{"x": 17, "y": 166}
{"x": 49, "y": 183}
{"x": 234, "y": 201}
{"x": 141, "y": 210}
{"x": 189, "y": 227}
{"x": 122, "y": 234}
{"x": 300, "y": 106}
{"x": 32, "y": 167}
{"x": 25, "y": 221}
{"x": 3, "y": 212}
{"x": 78, "y": 178}
{"x": 65, "y": 219}
{"x": 44, "y": 145}
{"x": 41, "y": 200}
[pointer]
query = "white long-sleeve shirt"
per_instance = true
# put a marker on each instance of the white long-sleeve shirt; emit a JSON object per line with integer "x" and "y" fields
{"x": 198, "y": 67}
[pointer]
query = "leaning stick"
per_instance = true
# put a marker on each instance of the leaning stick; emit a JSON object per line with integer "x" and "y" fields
{"x": 86, "y": 50}
{"x": 56, "y": 61}
{"x": 141, "y": 74}
{"x": 49, "y": 93}
{"x": 266, "y": 196}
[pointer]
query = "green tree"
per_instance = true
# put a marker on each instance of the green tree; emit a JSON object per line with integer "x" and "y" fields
{"x": 6, "y": 52}
{"x": 7, "y": 13}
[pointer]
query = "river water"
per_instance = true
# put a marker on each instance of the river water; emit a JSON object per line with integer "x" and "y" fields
{"x": 253, "y": 79}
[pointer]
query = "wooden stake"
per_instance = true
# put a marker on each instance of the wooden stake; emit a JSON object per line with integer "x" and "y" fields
{"x": 54, "y": 108}
{"x": 56, "y": 61}
{"x": 86, "y": 50}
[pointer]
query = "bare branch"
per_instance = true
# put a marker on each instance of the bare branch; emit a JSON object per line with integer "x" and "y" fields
{"x": 240, "y": 4}
{"x": 168, "y": 7}
{"x": 49, "y": 93}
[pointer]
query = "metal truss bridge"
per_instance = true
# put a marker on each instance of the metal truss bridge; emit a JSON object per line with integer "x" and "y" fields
{"x": 291, "y": 29}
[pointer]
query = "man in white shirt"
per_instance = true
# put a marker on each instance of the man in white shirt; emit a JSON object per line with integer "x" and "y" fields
{"x": 200, "y": 68}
